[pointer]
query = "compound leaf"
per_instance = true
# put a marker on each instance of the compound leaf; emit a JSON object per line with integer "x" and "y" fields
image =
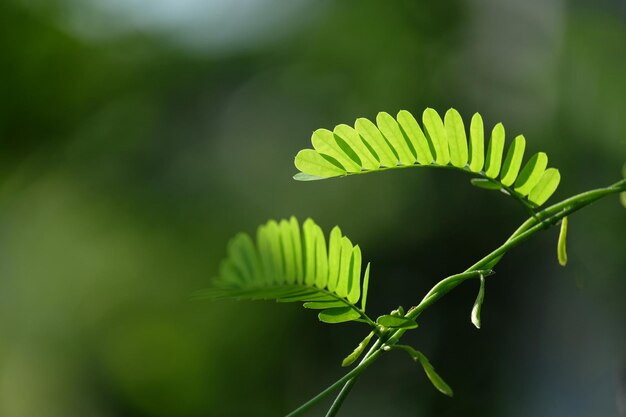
{"x": 403, "y": 142}
{"x": 290, "y": 263}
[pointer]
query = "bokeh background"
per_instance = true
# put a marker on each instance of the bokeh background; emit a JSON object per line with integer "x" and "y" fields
{"x": 137, "y": 136}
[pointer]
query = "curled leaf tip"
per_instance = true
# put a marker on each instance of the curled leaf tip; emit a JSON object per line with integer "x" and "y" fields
{"x": 475, "y": 316}
{"x": 562, "y": 246}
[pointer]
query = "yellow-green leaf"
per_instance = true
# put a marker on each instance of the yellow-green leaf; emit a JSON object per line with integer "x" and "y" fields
{"x": 338, "y": 315}
{"x": 562, "y": 245}
{"x": 416, "y": 136}
{"x": 457, "y": 140}
{"x": 513, "y": 161}
{"x": 311, "y": 162}
{"x": 477, "y": 144}
{"x": 324, "y": 142}
{"x": 436, "y": 133}
{"x": 376, "y": 141}
{"x": 354, "y": 140}
{"x": 494, "y": 151}
{"x": 531, "y": 173}
{"x": 358, "y": 351}
{"x": 545, "y": 187}
{"x": 390, "y": 128}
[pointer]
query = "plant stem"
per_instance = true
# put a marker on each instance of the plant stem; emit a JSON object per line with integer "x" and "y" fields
{"x": 541, "y": 220}
{"x": 345, "y": 390}
{"x": 371, "y": 356}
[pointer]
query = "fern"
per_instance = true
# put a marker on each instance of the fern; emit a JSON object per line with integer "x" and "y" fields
{"x": 290, "y": 264}
{"x": 401, "y": 142}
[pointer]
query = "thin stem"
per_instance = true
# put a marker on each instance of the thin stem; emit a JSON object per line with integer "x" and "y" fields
{"x": 338, "y": 402}
{"x": 372, "y": 355}
{"x": 442, "y": 288}
{"x": 540, "y": 221}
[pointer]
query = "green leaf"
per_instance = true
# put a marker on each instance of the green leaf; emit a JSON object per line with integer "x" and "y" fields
{"x": 432, "y": 375}
{"x": 315, "y": 166}
{"x": 301, "y": 176}
{"x": 436, "y": 133}
{"x": 396, "y": 322}
{"x": 321, "y": 259}
{"x": 376, "y": 141}
{"x": 391, "y": 130}
{"x": 402, "y": 142}
{"x": 324, "y": 142}
{"x": 477, "y": 144}
{"x": 358, "y": 351}
{"x": 494, "y": 152}
{"x": 562, "y": 245}
{"x": 485, "y": 183}
{"x": 338, "y": 315}
{"x": 513, "y": 161}
{"x": 334, "y": 258}
{"x": 273, "y": 235}
{"x": 545, "y": 187}
{"x": 354, "y": 283}
{"x": 478, "y": 303}
{"x": 413, "y": 131}
{"x": 308, "y": 251}
{"x": 366, "y": 283}
{"x": 457, "y": 141}
{"x": 323, "y": 305}
{"x": 354, "y": 140}
{"x": 531, "y": 173}
{"x": 309, "y": 295}
{"x": 291, "y": 263}
{"x": 286, "y": 240}
{"x": 342, "y": 288}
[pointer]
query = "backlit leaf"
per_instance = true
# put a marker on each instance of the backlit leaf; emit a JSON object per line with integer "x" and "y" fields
{"x": 338, "y": 315}
{"x": 397, "y": 322}
{"x": 478, "y": 304}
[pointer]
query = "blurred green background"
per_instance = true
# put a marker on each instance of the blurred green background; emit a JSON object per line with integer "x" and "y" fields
{"x": 137, "y": 136}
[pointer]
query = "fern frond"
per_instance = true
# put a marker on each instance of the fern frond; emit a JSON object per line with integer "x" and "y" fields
{"x": 402, "y": 142}
{"x": 290, "y": 263}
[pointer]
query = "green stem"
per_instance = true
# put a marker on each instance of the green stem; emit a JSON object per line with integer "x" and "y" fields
{"x": 345, "y": 390}
{"x": 338, "y": 402}
{"x": 371, "y": 356}
{"x": 541, "y": 220}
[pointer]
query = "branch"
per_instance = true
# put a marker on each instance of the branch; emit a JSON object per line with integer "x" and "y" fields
{"x": 540, "y": 221}
{"x": 371, "y": 356}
